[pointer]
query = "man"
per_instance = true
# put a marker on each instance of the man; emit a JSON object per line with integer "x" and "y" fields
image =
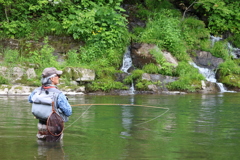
{"x": 39, "y": 98}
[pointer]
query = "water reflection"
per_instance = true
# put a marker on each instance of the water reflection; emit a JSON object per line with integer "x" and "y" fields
{"x": 196, "y": 126}
{"x": 50, "y": 150}
{"x": 127, "y": 120}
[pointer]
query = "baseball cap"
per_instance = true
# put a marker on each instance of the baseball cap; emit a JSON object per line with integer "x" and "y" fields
{"x": 50, "y": 71}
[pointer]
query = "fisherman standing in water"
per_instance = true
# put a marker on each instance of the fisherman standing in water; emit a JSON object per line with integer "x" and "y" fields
{"x": 42, "y": 98}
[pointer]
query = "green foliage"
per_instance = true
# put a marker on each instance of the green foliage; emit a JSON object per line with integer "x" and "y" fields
{"x": 72, "y": 58}
{"x": 235, "y": 40}
{"x": 229, "y": 67}
{"x": 232, "y": 80}
{"x": 220, "y": 50}
{"x": 15, "y": 29}
{"x": 151, "y": 68}
{"x": 105, "y": 85}
{"x": 100, "y": 26}
{"x": 136, "y": 74}
{"x": 223, "y": 16}
{"x": 11, "y": 57}
{"x": 184, "y": 68}
{"x": 164, "y": 67}
{"x": 3, "y": 80}
{"x": 44, "y": 57}
{"x": 189, "y": 78}
{"x": 194, "y": 33}
{"x": 163, "y": 30}
{"x": 142, "y": 84}
{"x": 46, "y": 25}
{"x": 185, "y": 83}
{"x": 157, "y": 5}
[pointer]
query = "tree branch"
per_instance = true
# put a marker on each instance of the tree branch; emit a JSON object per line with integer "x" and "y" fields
{"x": 186, "y": 10}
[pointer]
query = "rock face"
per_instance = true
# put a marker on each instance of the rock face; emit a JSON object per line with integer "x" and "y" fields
{"x": 209, "y": 87}
{"x": 141, "y": 55}
{"x": 206, "y": 60}
{"x": 162, "y": 79}
{"x": 79, "y": 74}
{"x": 170, "y": 59}
{"x": 16, "y": 74}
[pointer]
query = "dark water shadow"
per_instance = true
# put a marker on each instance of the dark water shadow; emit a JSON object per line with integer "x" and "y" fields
{"x": 50, "y": 150}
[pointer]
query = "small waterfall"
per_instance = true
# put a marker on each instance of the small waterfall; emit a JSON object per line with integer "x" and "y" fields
{"x": 127, "y": 63}
{"x": 210, "y": 76}
{"x": 235, "y": 52}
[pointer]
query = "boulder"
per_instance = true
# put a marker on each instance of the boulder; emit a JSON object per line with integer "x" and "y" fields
{"x": 141, "y": 56}
{"x": 206, "y": 60}
{"x": 79, "y": 74}
{"x": 164, "y": 80}
{"x": 15, "y": 74}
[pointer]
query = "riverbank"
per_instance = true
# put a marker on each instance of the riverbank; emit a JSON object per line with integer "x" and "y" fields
{"x": 20, "y": 90}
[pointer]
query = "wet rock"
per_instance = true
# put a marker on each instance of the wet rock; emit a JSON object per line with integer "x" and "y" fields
{"x": 206, "y": 60}
{"x": 161, "y": 79}
{"x": 121, "y": 76}
{"x": 209, "y": 87}
{"x": 140, "y": 54}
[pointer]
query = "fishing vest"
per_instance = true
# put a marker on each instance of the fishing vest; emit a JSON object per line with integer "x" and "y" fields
{"x": 42, "y": 103}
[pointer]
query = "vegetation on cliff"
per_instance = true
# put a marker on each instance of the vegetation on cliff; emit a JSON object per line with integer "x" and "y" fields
{"x": 102, "y": 30}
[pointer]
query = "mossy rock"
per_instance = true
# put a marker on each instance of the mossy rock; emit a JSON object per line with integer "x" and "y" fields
{"x": 231, "y": 80}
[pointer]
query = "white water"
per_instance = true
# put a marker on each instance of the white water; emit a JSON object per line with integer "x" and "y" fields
{"x": 231, "y": 49}
{"x": 210, "y": 76}
{"x": 127, "y": 63}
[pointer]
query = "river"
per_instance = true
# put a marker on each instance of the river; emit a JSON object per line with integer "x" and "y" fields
{"x": 168, "y": 127}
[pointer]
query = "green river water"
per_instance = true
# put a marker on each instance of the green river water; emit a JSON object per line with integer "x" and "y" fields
{"x": 137, "y": 127}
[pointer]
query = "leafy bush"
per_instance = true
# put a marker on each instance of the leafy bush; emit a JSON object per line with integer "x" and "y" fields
{"x": 163, "y": 30}
{"x": 43, "y": 57}
{"x": 11, "y": 57}
{"x": 100, "y": 26}
{"x": 142, "y": 84}
{"x": 136, "y": 74}
{"x": 235, "y": 40}
{"x": 194, "y": 32}
{"x": 189, "y": 78}
{"x": 220, "y": 50}
{"x": 222, "y": 15}
{"x": 164, "y": 67}
{"x": 105, "y": 85}
{"x": 72, "y": 58}
{"x": 3, "y": 80}
{"x": 228, "y": 67}
{"x": 151, "y": 68}
{"x": 15, "y": 29}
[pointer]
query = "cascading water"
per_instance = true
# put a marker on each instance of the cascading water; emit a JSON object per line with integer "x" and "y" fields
{"x": 235, "y": 52}
{"x": 127, "y": 63}
{"x": 210, "y": 76}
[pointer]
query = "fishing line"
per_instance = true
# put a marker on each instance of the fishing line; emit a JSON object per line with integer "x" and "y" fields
{"x": 79, "y": 116}
{"x": 90, "y": 105}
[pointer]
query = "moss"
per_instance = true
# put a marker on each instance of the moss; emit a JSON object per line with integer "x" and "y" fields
{"x": 231, "y": 80}
{"x": 5, "y": 86}
{"x": 19, "y": 87}
{"x": 29, "y": 82}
